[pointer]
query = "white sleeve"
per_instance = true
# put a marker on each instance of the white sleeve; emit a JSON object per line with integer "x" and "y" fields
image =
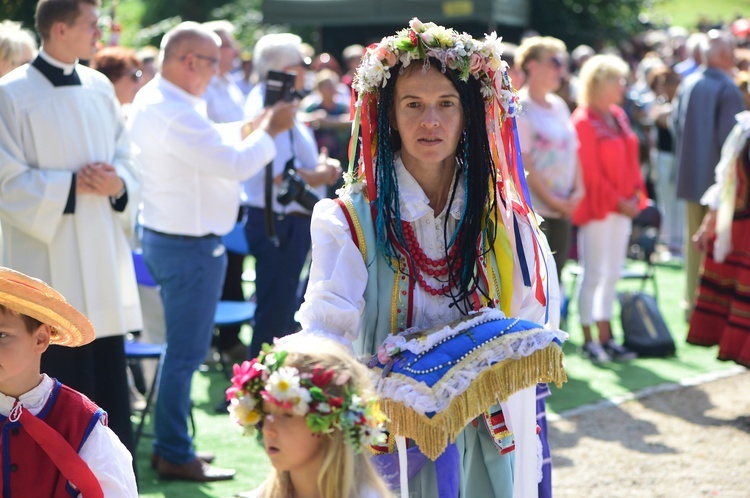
{"x": 730, "y": 150}
{"x": 31, "y": 199}
{"x": 129, "y": 170}
{"x": 199, "y": 142}
{"x": 110, "y": 462}
{"x": 334, "y": 300}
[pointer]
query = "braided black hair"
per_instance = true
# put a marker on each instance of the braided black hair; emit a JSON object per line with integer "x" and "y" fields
{"x": 476, "y": 170}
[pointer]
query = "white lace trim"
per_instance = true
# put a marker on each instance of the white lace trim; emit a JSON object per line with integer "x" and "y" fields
{"x": 434, "y": 336}
{"x": 422, "y": 399}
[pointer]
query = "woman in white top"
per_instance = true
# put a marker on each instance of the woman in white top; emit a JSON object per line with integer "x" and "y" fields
{"x": 548, "y": 141}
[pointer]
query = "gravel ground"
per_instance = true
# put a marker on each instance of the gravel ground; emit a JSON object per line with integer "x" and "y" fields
{"x": 691, "y": 441}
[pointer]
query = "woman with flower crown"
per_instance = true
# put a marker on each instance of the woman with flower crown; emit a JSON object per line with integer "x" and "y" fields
{"x": 434, "y": 225}
{"x": 314, "y": 407}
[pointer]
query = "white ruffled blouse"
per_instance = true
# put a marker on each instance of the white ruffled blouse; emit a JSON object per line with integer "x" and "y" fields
{"x": 334, "y": 300}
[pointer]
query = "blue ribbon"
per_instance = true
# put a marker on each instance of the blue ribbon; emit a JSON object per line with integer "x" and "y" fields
{"x": 447, "y": 471}
{"x": 446, "y": 468}
{"x": 521, "y": 254}
{"x": 519, "y": 165}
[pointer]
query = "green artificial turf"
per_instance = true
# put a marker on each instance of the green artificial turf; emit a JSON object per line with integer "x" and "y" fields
{"x": 215, "y": 433}
{"x": 587, "y": 384}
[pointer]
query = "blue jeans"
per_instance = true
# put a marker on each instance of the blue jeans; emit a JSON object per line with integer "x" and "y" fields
{"x": 277, "y": 272}
{"x": 190, "y": 272}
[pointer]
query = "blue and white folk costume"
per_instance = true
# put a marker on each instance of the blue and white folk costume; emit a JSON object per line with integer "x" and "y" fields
{"x": 360, "y": 304}
{"x": 365, "y": 295}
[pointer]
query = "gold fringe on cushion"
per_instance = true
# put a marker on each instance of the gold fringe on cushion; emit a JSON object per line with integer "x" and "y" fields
{"x": 495, "y": 384}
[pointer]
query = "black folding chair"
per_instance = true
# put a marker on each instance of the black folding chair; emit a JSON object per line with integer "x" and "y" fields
{"x": 643, "y": 239}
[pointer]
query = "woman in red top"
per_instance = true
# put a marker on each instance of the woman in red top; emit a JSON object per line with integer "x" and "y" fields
{"x": 608, "y": 152}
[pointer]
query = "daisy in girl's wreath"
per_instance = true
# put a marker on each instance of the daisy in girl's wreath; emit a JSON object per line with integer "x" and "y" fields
{"x": 312, "y": 406}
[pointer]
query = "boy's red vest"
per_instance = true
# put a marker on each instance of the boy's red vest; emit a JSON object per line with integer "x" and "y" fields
{"x": 26, "y": 468}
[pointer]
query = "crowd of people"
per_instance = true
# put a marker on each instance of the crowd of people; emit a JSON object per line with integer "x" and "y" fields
{"x": 476, "y": 169}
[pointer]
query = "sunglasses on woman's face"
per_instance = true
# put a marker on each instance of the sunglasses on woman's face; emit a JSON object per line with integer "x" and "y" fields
{"x": 556, "y": 62}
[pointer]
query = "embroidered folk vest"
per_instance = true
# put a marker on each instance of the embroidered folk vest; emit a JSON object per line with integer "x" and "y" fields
{"x": 389, "y": 295}
{"x": 26, "y": 469}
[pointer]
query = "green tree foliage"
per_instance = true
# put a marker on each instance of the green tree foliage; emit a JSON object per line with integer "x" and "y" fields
{"x": 142, "y": 26}
{"x": 246, "y": 17}
{"x": 593, "y": 22}
{"x": 18, "y": 10}
{"x": 188, "y": 10}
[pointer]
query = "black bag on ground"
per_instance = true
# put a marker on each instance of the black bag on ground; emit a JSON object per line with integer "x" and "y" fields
{"x": 644, "y": 329}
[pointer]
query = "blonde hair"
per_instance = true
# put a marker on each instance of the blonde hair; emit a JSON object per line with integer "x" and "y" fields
{"x": 13, "y": 40}
{"x": 344, "y": 473}
{"x": 597, "y": 71}
{"x": 535, "y": 48}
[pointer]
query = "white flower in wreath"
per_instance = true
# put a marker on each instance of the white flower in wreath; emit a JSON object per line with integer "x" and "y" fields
{"x": 506, "y": 98}
{"x": 495, "y": 45}
{"x": 243, "y": 411}
{"x": 459, "y": 48}
{"x": 301, "y": 404}
{"x": 283, "y": 384}
{"x": 371, "y": 436}
{"x": 356, "y": 403}
{"x": 407, "y": 57}
{"x": 269, "y": 360}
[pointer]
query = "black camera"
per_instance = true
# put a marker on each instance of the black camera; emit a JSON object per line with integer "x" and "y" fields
{"x": 294, "y": 188}
{"x": 280, "y": 87}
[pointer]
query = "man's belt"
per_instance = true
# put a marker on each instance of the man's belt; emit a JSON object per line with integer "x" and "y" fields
{"x": 185, "y": 237}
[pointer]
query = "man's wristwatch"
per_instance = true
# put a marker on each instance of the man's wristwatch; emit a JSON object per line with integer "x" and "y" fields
{"x": 119, "y": 194}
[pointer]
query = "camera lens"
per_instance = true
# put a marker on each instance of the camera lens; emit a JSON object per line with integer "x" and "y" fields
{"x": 294, "y": 188}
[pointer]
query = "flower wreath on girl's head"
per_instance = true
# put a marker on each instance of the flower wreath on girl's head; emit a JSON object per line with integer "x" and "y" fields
{"x": 468, "y": 57}
{"x": 265, "y": 378}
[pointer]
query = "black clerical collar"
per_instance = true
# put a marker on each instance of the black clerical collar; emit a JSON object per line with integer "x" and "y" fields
{"x": 56, "y": 75}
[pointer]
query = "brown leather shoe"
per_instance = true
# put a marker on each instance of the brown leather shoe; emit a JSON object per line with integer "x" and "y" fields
{"x": 194, "y": 470}
{"x": 206, "y": 456}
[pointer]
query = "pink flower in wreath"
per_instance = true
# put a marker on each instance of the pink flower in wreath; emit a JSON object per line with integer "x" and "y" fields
{"x": 476, "y": 63}
{"x": 383, "y": 356}
{"x": 382, "y": 52}
{"x": 249, "y": 370}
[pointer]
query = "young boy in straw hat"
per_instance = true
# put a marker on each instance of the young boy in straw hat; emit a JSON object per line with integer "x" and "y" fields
{"x": 54, "y": 439}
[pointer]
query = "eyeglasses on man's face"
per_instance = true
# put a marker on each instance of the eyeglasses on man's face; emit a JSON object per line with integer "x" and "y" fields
{"x": 213, "y": 60}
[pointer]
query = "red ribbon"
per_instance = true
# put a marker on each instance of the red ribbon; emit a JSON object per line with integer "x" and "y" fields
{"x": 65, "y": 458}
{"x": 368, "y": 108}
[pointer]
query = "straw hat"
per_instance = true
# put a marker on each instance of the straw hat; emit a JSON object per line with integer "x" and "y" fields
{"x": 34, "y": 298}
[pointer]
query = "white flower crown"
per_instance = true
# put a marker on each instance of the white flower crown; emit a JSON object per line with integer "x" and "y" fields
{"x": 456, "y": 51}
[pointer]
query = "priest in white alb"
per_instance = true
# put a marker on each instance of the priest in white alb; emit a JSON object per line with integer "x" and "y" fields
{"x": 68, "y": 193}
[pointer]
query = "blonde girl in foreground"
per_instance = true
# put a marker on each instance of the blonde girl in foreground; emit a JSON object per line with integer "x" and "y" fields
{"x": 314, "y": 407}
